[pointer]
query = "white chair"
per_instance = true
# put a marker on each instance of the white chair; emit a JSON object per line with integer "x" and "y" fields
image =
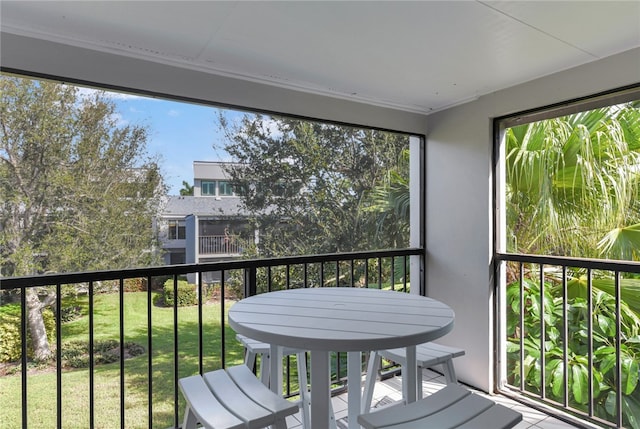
{"x": 451, "y": 407}
{"x": 232, "y": 399}
{"x": 254, "y": 348}
{"x": 427, "y": 355}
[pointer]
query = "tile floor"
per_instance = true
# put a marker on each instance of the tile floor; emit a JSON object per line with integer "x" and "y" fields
{"x": 390, "y": 390}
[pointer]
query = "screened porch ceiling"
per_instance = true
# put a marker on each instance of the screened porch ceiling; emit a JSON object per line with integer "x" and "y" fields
{"x": 413, "y": 56}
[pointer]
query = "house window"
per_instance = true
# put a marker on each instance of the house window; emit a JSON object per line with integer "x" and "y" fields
{"x": 224, "y": 189}
{"x": 176, "y": 230}
{"x": 208, "y": 188}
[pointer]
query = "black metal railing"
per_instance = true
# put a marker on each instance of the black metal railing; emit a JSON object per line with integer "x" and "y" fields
{"x": 572, "y": 335}
{"x": 143, "y": 391}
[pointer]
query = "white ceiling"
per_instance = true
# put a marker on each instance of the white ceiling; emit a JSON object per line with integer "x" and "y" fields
{"x": 418, "y": 56}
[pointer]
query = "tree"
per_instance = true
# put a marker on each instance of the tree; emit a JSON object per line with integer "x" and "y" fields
{"x": 307, "y": 184}
{"x": 187, "y": 189}
{"x": 574, "y": 185}
{"x": 77, "y": 191}
{"x": 391, "y": 201}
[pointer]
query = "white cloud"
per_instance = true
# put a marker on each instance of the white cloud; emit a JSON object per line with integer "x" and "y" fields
{"x": 173, "y": 113}
{"x": 120, "y": 120}
{"x": 89, "y": 92}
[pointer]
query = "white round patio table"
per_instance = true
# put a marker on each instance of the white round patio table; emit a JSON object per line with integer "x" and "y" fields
{"x": 340, "y": 319}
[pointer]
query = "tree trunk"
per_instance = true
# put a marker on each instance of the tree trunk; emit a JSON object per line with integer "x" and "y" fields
{"x": 41, "y": 350}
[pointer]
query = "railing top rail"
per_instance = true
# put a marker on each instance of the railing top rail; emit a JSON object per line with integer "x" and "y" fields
{"x": 596, "y": 264}
{"x": 7, "y": 283}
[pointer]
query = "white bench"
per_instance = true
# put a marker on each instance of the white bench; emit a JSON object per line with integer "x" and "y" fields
{"x": 451, "y": 407}
{"x": 254, "y": 348}
{"x": 427, "y": 355}
{"x": 232, "y": 399}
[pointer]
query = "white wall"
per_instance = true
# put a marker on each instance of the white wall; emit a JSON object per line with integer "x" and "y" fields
{"x": 459, "y": 198}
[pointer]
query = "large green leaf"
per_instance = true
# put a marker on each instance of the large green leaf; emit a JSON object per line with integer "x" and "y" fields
{"x": 556, "y": 373}
{"x": 631, "y": 408}
{"x": 629, "y": 374}
{"x": 580, "y": 383}
{"x": 621, "y": 242}
{"x": 629, "y": 290}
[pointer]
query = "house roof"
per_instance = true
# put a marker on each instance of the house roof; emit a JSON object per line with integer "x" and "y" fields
{"x": 416, "y": 56}
{"x": 180, "y": 206}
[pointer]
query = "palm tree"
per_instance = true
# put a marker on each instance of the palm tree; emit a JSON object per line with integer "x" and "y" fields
{"x": 390, "y": 200}
{"x": 573, "y": 185}
{"x": 186, "y": 189}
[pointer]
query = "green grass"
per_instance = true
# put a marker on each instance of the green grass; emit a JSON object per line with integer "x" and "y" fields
{"x": 41, "y": 386}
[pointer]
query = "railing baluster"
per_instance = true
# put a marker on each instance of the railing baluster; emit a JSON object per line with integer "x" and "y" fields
{"x": 366, "y": 272}
{"x": 58, "y": 356}
{"x": 522, "y": 333}
{"x": 91, "y": 360}
{"x": 353, "y": 280}
{"x": 121, "y": 334}
{"x": 393, "y": 273}
{"x": 404, "y": 273}
{"x": 200, "y": 332}
{"x": 287, "y": 276}
{"x": 223, "y": 337}
{"x": 543, "y": 335}
{"x": 176, "y": 351}
{"x": 590, "y": 337}
{"x": 565, "y": 337}
{"x": 150, "y": 357}
{"x": 618, "y": 297}
{"x": 23, "y": 357}
{"x": 305, "y": 275}
{"x": 379, "y": 272}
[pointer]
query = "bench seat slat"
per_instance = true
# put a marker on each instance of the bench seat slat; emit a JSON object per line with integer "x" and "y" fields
{"x": 427, "y": 354}
{"x": 204, "y": 405}
{"x": 451, "y": 407}
{"x": 234, "y": 399}
{"x": 259, "y": 393}
{"x": 496, "y": 417}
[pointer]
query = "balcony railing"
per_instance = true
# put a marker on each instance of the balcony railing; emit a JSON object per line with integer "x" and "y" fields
{"x": 572, "y": 335}
{"x": 142, "y": 391}
{"x": 222, "y": 244}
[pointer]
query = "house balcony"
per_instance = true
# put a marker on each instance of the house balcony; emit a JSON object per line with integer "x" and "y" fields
{"x": 139, "y": 389}
{"x": 216, "y": 245}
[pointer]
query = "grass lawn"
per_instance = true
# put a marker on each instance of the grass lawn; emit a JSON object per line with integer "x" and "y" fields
{"x": 41, "y": 385}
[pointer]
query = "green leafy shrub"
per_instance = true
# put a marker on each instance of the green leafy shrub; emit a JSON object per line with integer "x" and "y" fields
{"x": 604, "y": 327}
{"x": 10, "y": 338}
{"x": 186, "y": 293}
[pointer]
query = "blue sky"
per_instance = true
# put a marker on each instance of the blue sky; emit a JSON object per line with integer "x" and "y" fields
{"x": 179, "y": 132}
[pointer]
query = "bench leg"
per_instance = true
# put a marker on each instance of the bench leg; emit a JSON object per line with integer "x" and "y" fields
{"x": 419, "y": 382}
{"x": 190, "y": 421}
{"x": 305, "y": 402}
{"x": 449, "y": 372}
{"x": 265, "y": 369}
{"x": 280, "y": 424}
{"x": 370, "y": 381}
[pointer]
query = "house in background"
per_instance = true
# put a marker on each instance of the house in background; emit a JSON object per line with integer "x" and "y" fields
{"x": 209, "y": 226}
